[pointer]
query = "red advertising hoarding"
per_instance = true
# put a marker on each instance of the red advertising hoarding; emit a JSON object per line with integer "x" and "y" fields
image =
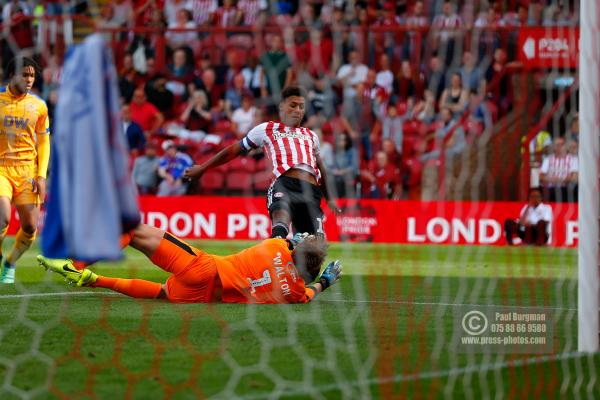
{"x": 379, "y": 221}
{"x": 549, "y": 47}
{"x": 478, "y": 223}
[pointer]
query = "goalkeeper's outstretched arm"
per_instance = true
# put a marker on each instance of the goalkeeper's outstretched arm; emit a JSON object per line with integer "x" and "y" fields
{"x": 331, "y": 274}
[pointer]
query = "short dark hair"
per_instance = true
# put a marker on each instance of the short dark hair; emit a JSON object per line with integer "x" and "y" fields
{"x": 308, "y": 257}
{"x": 290, "y": 91}
{"x": 21, "y": 62}
{"x": 535, "y": 189}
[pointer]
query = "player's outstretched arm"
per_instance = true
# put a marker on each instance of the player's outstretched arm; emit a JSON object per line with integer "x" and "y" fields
{"x": 224, "y": 156}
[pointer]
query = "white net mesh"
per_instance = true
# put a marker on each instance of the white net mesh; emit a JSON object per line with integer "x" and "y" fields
{"x": 435, "y": 119}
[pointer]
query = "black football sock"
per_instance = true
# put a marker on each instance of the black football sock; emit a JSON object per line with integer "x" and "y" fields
{"x": 279, "y": 230}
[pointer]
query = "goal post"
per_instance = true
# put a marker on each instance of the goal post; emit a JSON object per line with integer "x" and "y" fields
{"x": 589, "y": 107}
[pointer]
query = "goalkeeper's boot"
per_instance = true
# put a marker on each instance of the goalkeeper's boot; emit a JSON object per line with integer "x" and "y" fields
{"x": 66, "y": 268}
{"x": 8, "y": 272}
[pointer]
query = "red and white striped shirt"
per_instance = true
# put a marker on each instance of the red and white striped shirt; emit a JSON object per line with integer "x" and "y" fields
{"x": 202, "y": 10}
{"x": 251, "y": 9}
{"x": 287, "y": 147}
{"x": 558, "y": 169}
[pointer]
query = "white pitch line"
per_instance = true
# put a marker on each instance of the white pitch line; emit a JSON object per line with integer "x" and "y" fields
{"x": 418, "y": 303}
{"x": 472, "y": 369}
{"x": 425, "y": 303}
{"x": 54, "y": 294}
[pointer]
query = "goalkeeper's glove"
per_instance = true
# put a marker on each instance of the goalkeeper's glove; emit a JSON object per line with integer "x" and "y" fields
{"x": 331, "y": 274}
{"x": 298, "y": 238}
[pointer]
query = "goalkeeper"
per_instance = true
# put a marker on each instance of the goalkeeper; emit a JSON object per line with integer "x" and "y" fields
{"x": 273, "y": 271}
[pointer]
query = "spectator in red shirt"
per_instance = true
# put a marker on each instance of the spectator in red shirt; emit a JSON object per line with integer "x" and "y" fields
{"x": 383, "y": 178}
{"x": 227, "y": 15}
{"x": 317, "y": 52}
{"x": 145, "y": 113}
{"x": 409, "y": 84}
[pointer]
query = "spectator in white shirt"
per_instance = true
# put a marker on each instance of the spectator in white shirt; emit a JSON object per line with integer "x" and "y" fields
{"x": 559, "y": 173}
{"x": 351, "y": 75}
{"x": 534, "y": 223}
{"x": 385, "y": 77}
{"x": 243, "y": 117}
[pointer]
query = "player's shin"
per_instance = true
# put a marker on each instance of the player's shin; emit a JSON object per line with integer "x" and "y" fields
{"x": 23, "y": 241}
{"x": 137, "y": 288}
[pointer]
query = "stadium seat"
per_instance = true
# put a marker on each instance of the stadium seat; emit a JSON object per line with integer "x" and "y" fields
{"x": 239, "y": 182}
{"x": 261, "y": 181}
{"x": 244, "y": 164}
{"x": 212, "y": 182}
{"x": 261, "y": 165}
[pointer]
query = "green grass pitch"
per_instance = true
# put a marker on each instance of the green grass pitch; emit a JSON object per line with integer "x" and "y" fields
{"x": 383, "y": 332}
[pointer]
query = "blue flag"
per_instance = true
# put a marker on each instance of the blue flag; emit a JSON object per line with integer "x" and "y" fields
{"x": 92, "y": 199}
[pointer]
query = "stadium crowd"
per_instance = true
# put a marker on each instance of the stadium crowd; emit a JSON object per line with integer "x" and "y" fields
{"x": 392, "y": 86}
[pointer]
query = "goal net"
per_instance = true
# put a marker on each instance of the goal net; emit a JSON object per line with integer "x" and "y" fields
{"x": 449, "y": 132}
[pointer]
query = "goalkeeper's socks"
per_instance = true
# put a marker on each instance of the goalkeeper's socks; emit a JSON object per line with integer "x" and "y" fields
{"x": 138, "y": 288}
{"x": 279, "y": 230}
{"x": 126, "y": 238}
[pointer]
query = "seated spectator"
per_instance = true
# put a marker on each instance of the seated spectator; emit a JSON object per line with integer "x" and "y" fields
{"x": 203, "y": 11}
{"x": 349, "y": 77}
{"x": 197, "y": 116}
{"x": 158, "y": 94}
{"x": 317, "y": 52}
{"x": 382, "y": 178}
{"x": 233, "y": 95}
{"x": 243, "y": 118}
{"x": 452, "y": 146}
{"x": 559, "y": 174}
{"x": 533, "y": 225}
{"x": 184, "y": 21}
{"x": 145, "y": 170}
{"x": 320, "y": 100}
{"x": 214, "y": 93}
{"x": 135, "y": 135}
{"x": 180, "y": 72}
{"x": 227, "y": 15}
{"x": 107, "y": 21}
{"x": 145, "y": 113}
{"x": 478, "y": 110}
{"x": 171, "y": 168}
{"x": 436, "y": 77}
{"x": 172, "y": 8}
{"x": 408, "y": 84}
{"x": 253, "y": 76}
{"x": 251, "y": 11}
{"x": 573, "y": 134}
{"x": 501, "y": 94}
{"x": 385, "y": 76}
{"x": 392, "y": 126}
{"x": 470, "y": 73}
{"x": 277, "y": 69}
{"x": 128, "y": 78}
{"x": 455, "y": 96}
{"x": 344, "y": 168}
{"x": 424, "y": 110}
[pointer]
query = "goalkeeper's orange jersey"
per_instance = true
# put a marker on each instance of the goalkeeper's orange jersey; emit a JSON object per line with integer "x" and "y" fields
{"x": 264, "y": 273}
{"x": 22, "y": 118}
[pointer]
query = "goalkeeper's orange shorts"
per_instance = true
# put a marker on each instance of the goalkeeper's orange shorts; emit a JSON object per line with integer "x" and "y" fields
{"x": 16, "y": 183}
{"x": 194, "y": 272}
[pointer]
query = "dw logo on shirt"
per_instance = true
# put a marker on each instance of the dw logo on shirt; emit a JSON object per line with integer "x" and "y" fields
{"x": 19, "y": 123}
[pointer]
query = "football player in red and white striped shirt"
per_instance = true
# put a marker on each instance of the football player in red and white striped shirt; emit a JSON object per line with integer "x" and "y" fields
{"x": 300, "y": 181}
